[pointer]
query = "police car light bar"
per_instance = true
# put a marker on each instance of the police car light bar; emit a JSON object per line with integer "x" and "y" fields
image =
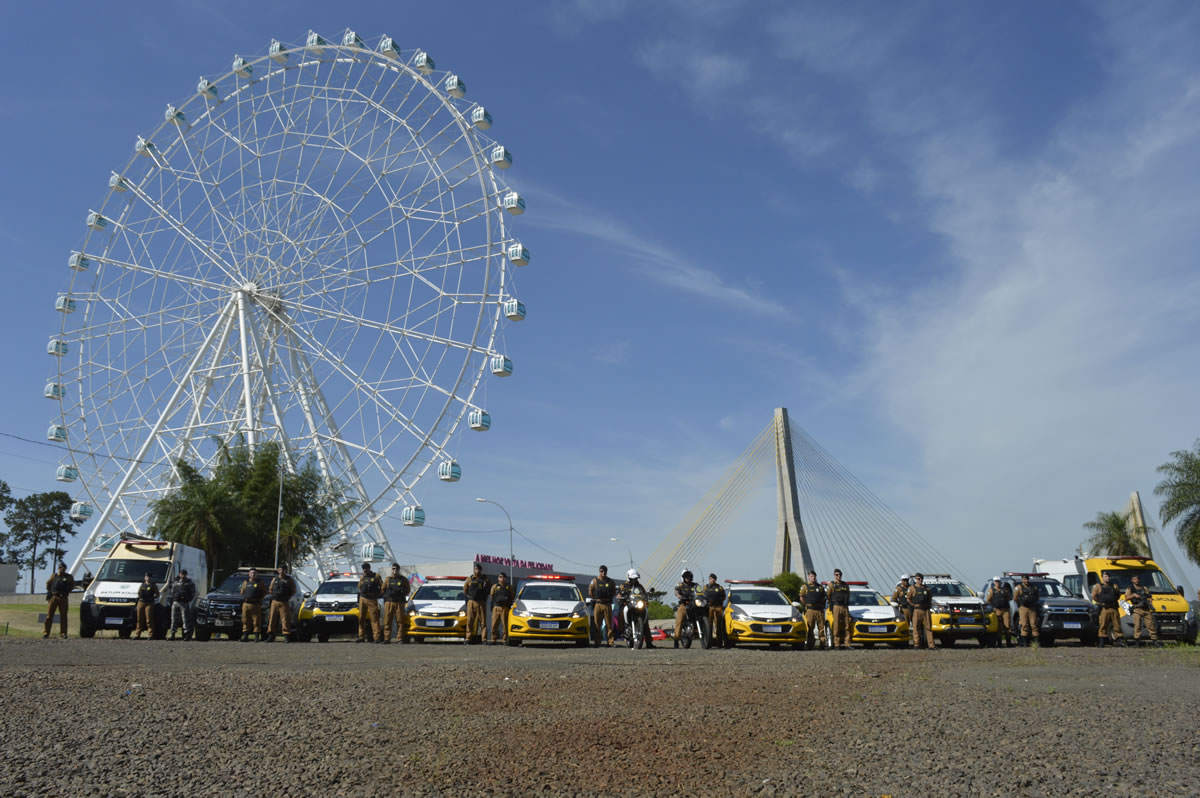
{"x": 128, "y": 542}
{"x": 1135, "y": 559}
{"x": 435, "y": 578}
{"x": 861, "y": 584}
{"x": 552, "y": 577}
{"x": 750, "y": 581}
{"x": 1022, "y": 573}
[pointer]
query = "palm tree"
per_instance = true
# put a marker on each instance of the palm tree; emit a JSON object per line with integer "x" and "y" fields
{"x": 1114, "y": 537}
{"x": 1181, "y": 492}
{"x": 202, "y": 514}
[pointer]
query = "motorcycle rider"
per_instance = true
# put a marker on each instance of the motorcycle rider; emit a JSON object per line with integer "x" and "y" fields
{"x": 684, "y": 591}
{"x": 716, "y": 610}
{"x": 631, "y": 585}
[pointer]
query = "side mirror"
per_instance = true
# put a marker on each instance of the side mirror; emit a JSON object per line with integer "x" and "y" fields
{"x": 307, "y": 594}
{"x": 797, "y": 605}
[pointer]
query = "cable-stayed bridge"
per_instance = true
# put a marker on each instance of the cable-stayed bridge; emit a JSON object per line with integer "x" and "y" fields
{"x": 827, "y": 518}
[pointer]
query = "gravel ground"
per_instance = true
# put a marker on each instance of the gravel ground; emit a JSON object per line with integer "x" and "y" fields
{"x": 125, "y": 717}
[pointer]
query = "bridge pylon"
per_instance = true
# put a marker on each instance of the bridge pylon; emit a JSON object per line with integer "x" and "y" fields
{"x": 789, "y": 534}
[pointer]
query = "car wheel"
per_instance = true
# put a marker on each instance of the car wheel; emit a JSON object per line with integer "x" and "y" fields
{"x": 203, "y": 635}
{"x": 87, "y": 631}
{"x": 514, "y": 643}
{"x": 797, "y": 646}
{"x": 948, "y": 642}
{"x": 125, "y": 633}
{"x": 868, "y": 645}
{"x": 323, "y": 637}
{"x": 1046, "y": 640}
{"x": 234, "y": 635}
{"x": 582, "y": 643}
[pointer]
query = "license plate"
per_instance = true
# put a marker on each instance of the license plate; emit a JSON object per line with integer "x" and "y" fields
{"x": 551, "y": 625}
{"x": 224, "y": 622}
{"x": 114, "y": 621}
{"x": 773, "y": 629}
{"x": 1071, "y": 625}
{"x": 877, "y": 630}
{"x": 1170, "y": 627}
{"x": 335, "y": 618}
{"x": 435, "y": 623}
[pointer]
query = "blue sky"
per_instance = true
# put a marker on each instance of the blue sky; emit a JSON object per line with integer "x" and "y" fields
{"x": 956, "y": 241}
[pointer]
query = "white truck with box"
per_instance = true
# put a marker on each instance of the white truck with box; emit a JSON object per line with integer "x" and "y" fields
{"x": 111, "y": 595}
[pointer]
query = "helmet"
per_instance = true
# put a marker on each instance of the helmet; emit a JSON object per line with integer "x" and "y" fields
{"x": 687, "y": 574}
{"x": 633, "y": 574}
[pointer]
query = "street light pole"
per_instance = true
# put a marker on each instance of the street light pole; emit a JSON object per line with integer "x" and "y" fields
{"x": 627, "y": 549}
{"x": 510, "y": 534}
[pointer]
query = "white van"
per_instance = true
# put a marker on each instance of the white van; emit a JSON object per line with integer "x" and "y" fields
{"x": 111, "y": 596}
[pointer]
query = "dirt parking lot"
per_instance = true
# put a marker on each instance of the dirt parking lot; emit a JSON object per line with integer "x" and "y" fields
{"x": 124, "y": 717}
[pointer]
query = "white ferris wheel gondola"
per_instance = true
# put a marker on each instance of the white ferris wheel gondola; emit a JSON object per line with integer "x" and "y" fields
{"x": 349, "y": 309}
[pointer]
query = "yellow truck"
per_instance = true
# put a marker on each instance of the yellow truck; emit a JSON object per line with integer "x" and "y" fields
{"x": 1174, "y": 617}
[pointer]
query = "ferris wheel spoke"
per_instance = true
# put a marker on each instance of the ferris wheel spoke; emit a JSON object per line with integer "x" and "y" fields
{"x": 178, "y": 227}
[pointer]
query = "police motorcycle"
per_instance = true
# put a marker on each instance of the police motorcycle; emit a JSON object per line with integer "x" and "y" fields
{"x": 634, "y": 624}
{"x": 695, "y": 622}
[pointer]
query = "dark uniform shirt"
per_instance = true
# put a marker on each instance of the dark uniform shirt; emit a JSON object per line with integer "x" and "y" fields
{"x": 396, "y": 588}
{"x": 1139, "y": 598}
{"x": 476, "y": 588}
{"x": 1107, "y": 596}
{"x": 1026, "y": 596}
{"x": 715, "y": 594}
{"x": 59, "y": 584}
{"x": 839, "y": 594}
{"x": 282, "y": 588}
{"x": 999, "y": 597}
{"x": 502, "y": 596}
{"x": 602, "y": 590}
{"x": 253, "y": 591}
{"x": 370, "y": 586}
{"x": 900, "y": 596}
{"x": 921, "y": 597}
{"x": 184, "y": 590}
{"x": 684, "y": 591}
{"x": 148, "y": 593}
{"x": 813, "y": 596}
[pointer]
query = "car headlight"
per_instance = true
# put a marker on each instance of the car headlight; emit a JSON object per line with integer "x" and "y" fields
{"x": 410, "y": 608}
{"x": 580, "y": 611}
{"x": 201, "y": 603}
{"x": 1191, "y": 616}
{"x": 521, "y": 612}
{"x": 738, "y": 615}
{"x": 797, "y": 616}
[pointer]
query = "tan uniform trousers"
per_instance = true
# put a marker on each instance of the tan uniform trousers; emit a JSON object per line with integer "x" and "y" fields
{"x": 1004, "y": 622}
{"x": 145, "y": 618}
{"x": 499, "y": 627}
{"x": 815, "y": 620}
{"x": 278, "y": 615}
{"x": 920, "y": 621}
{"x": 680, "y": 619}
{"x": 1027, "y": 616}
{"x": 368, "y": 618}
{"x": 716, "y": 625}
{"x": 61, "y": 604}
{"x": 841, "y": 626}
{"x": 907, "y": 615}
{"x": 475, "y": 619}
{"x": 251, "y": 618}
{"x": 603, "y": 615}
{"x": 1146, "y": 617}
{"x": 393, "y": 612}
{"x": 1110, "y": 624}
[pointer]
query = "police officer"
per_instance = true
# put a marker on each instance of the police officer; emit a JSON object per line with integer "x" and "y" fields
{"x": 1107, "y": 596}
{"x": 475, "y": 588}
{"x": 370, "y": 587}
{"x": 900, "y": 599}
{"x": 1143, "y": 610}
{"x": 395, "y": 601}
{"x": 602, "y": 590}
{"x": 502, "y": 596}
{"x": 1027, "y": 598}
{"x": 183, "y": 591}
{"x": 839, "y": 602}
{"x": 716, "y": 610}
{"x": 684, "y": 591}
{"x": 921, "y": 598}
{"x": 58, "y": 589}
{"x": 999, "y": 597}
{"x": 253, "y": 591}
{"x": 812, "y": 594}
{"x": 282, "y": 589}
{"x": 146, "y": 599}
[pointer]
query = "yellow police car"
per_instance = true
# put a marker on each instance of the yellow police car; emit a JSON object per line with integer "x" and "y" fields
{"x": 957, "y": 613}
{"x": 873, "y": 619}
{"x": 438, "y": 608}
{"x": 757, "y": 612}
{"x": 331, "y": 609}
{"x": 548, "y": 607}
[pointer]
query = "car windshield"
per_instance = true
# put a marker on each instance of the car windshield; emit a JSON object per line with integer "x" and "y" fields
{"x": 1052, "y": 590}
{"x": 1154, "y": 579}
{"x": 233, "y": 583}
{"x": 550, "y": 593}
{"x": 867, "y": 598}
{"x": 340, "y": 588}
{"x": 757, "y": 596}
{"x": 439, "y": 593}
{"x": 132, "y": 570}
{"x": 949, "y": 589}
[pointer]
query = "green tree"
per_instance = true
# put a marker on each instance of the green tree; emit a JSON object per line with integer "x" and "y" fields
{"x": 235, "y": 512}
{"x": 789, "y": 584}
{"x": 35, "y": 520}
{"x": 1180, "y": 490}
{"x": 1112, "y": 535}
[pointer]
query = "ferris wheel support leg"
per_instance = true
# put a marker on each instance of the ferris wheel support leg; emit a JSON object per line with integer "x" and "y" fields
{"x": 202, "y": 398}
{"x": 265, "y": 363}
{"x": 182, "y": 382}
{"x": 246, "y": 393}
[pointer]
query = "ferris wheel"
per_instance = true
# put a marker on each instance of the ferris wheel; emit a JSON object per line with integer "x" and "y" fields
{"x": 312, "y": 249}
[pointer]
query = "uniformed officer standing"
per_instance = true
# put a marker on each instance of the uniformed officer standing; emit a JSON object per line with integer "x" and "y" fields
{"x": 146, "y": 599}
{"x": 684, "y": 591}
{"x": 812, "y": 593}
{"x": 370, "y": 587}
{"x": 183, "y": 591}
{"x": 839, "y": 602}
{"x": 502, "y": 598}
{"x": 253, "y": 591}
{"x": 921, "y": 598}
{"x": 716, "y": 610}
{"x": 282, "y": 589}
{"x": 999, "y": 597}
{"x": 1143, "y": 610}
{"x": 475, "y": 588}
{"x": 900, "y": 599}
{"x": 1107, "y": 596}
{"x": 395, "y": 602}
{"x": 1027, "y": 598}
{"x": 602, "y": 590}
{"x": 58, "y": 588}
